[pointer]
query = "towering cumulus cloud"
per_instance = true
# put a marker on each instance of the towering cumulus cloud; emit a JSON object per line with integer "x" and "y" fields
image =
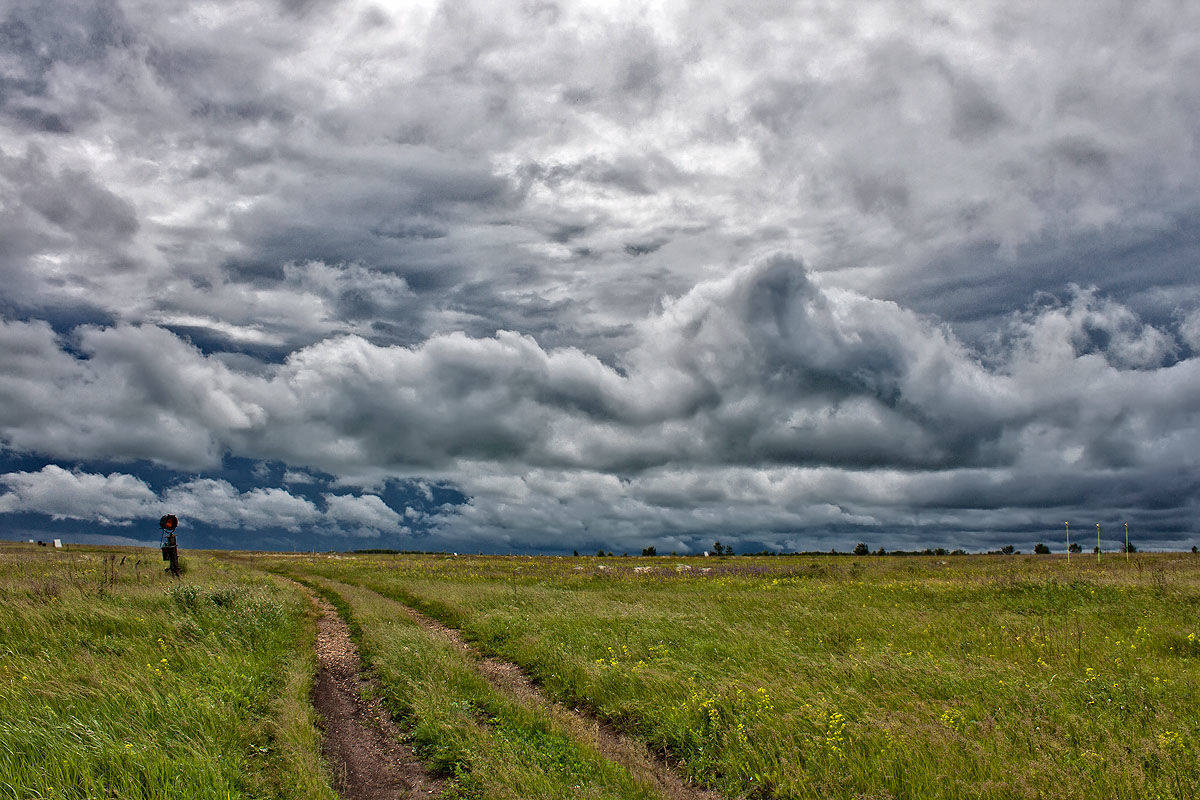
{"x": 754, "y": 397}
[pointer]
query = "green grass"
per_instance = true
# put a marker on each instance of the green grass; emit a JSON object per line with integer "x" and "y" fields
{"x": 983, "y": 677}
{"x": 488, "y": 744}
{"x": 116, "y": 680}
{"x": 989, "y": 677}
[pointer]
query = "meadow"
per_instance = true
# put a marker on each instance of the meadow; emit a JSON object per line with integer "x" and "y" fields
{"x": 886, "y": 677}
{"x": 783, "y": 677}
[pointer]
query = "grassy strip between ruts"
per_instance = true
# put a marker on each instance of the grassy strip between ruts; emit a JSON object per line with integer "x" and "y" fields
{"x": 489, "y": 744}
{"x": 983, "y": 677}
{"x": 119, "y": 681}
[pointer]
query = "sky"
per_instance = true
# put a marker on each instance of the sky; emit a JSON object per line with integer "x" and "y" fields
{"x": 543, "y": 277}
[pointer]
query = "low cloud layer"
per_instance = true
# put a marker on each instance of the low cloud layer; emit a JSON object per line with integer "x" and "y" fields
{"x": 118, "y": 499}
{"x": 759, "y": 402}
{"x": 788, "y": 273}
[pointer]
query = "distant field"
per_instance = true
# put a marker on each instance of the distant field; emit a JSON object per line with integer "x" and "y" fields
{"x": 788, "y": 677}
{"x": 797, "y": 677}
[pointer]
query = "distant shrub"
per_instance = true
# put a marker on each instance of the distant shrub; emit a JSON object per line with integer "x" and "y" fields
{"x": 649, "y": 551}
{"x": 1041, "y": 549}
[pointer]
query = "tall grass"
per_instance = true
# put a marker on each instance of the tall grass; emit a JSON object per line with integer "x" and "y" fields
{"x": 117, "y": 680}
{"x": 986, "y": 677}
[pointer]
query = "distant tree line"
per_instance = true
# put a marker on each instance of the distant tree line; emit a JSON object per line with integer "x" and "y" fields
{"x": 718, "y": 549}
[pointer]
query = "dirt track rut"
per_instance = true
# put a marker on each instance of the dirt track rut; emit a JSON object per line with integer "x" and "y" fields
{"x": 361, "y": 743}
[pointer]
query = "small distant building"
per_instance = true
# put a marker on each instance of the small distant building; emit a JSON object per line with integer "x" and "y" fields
{"x": 58, "y": 544}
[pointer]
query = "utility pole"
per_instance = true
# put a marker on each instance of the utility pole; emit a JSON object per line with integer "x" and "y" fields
{"x": 1097, "y": 542}
{"x": 1068, "y": 524}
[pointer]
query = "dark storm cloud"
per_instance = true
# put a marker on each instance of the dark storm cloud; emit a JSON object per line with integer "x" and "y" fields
{"x": 35, "y": 37}
{"x": 70, "y": 201}
{"x": 637, "y": 174}
{"x": 368, "y": 211}
{"x": 528, "y": 250}
{"x": 761, "y": 372}
{"x": 976, "y": 283}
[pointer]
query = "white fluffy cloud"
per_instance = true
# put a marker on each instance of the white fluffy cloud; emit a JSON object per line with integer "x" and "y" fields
{"x": 111, "y": 499}
{"x": 362, "y": 513}
{"x": 118, "y": 499}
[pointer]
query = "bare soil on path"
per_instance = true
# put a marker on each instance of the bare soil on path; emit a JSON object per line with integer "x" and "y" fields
{"x": 361, "y": 744}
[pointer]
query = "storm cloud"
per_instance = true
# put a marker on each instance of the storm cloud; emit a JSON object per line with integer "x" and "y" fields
{"x": 651, "y": 272}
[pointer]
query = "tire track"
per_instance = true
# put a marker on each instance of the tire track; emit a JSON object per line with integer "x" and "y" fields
{"x": 642, "y": 763}
{"x": 361, "y": 743}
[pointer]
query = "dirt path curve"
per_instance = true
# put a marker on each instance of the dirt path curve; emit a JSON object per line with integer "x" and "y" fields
{"x": 608, "y": 741}
{"x": 361, "y": 744}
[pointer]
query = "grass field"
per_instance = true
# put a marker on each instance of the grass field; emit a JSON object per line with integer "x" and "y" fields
{"x": 986, "y": 676}
{"x": 789, "y": 677}
{"x": 117, "y": 681}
